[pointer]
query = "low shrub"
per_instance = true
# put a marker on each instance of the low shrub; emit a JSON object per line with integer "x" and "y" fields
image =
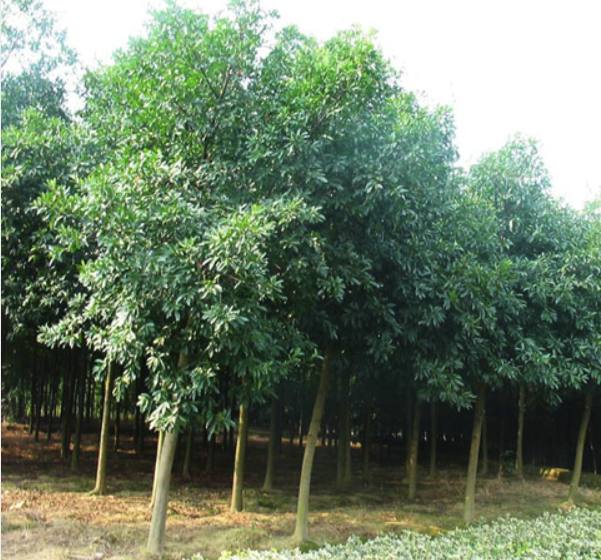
{"x": 575, "y": 535}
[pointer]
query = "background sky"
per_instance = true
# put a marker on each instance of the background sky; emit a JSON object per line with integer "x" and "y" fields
{"x": 505, "y": 67}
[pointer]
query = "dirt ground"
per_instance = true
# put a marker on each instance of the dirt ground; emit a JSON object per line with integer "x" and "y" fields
{"x": 47, "y": 513}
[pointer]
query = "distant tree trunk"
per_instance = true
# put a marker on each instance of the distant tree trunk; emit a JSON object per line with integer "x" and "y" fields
{"x": 100, "y": 488}
{"x": 502, "y": 433}
{"x": 433, "y": 438}
{"x": 53, "y": 399}
{"x": 484, "y": 469}
{"x": 238, "y": 485}
{"x": 343, "y": 474}
{"x": 210, "y": 454}
{"x": 271, "y": 452}
{"x": 117, "y": 439}
{"x": 408, "y": 421}
{"x": 69, "y": 389}
{"x": 39, "y": 400}
{"x": 414, "y": 449}
{"x": 519, "y": 455}
{"x": 34, "y": 389}
{"x": 586, "y": 416}
{"x": 157, "y": 464}
{"x": 367, "y": 435}
{"x": 188, "y": 455}
{"x": 472, "y": 471}
{"x": 302, "y": 512}
{"x": 156, "y": 537}
{"x": 81, "y": 394}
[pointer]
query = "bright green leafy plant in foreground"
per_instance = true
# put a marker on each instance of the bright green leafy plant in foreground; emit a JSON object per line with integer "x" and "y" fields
{"x": 568, "y": 536}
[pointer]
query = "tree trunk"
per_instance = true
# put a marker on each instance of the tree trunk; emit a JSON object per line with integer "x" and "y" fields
{"x": 156, "y": 537}
{"x": 271, "y": 452}
{"x": 408, "y": 421}
{"x": 519, "y": 456}
{"x": 39, "y": 399}
{"x": 157, "y": 464}
{"x": 117, "y": 439}
{"x": 238, "y": 486}
{"x": 210, "y": 455}
{"x": 343, "y": 475}
{"x": 53, "y": 399}
{"x": 472, "y": 471}
{"x": 81, "y": 395}
{"x": 502, "y": 434}
{"x": 367, "y": 436}
{"x": 484, "y": 469}
{"x": 188, "y": 455}
{"x": 100, "y": 488}
{"x": 414, "y": 448}
{"x": 70, "y": 379}
{"x": 586, "y": 416}
{"x": 433, "y": 438}
{"x": 302, "y": 512}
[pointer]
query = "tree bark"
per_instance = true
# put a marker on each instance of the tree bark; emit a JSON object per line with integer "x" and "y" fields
{"x": 271, "y": 452}
{"x": 367, "y": 436}
{"x": 519, "y": 453}
{"x": 156, "y": 537}
{"x": 586, "y": 416}
{"x": 238, "y": 485}
{"x": 343, "y": 472}
{"x": 157, "y": 464}
{"x": 81, "y": 395}
{"x": 414, "y": 448}
{"x": 188, "y": 455}
{"x": 433, "y": 438}
{"x": 100, "y": 488}
{"x": 484, "y": 469}
{"x": 117, "y": 439}
{"x": 210, "y": 454}
{"x": 301, "y": 532}
{"x": 472, "y": 471}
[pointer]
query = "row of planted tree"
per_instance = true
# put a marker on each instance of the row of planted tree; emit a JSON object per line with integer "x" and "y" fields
{"x": 235, "y": 208}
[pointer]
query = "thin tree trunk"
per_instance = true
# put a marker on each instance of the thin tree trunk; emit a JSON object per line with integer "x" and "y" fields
{"x": 433, "y": 438}
{"x": 472, "y": 471}
{"x": 117, "y": 438}
{"x": 502, "y": 434}
{"x": 53, "y": 399}
{"x": 484, "y": 469}
{"x": 519, "y": 454}
{"x": 68, "y": 403}
{"x": 210, "y": 455}
{"x": 34, "y": 389}
{"x": 157, "y": 464}
{"x": 586, "y": 416}
{"x": 301, "y": 532}
{"x": 414, "y": 448}
{"x": 81, "y": 395}
{"x": 188, "y": 455}
{"x": 100, "y": 488}
{"x": 238, "y": 485}
{"x": 39, "y": 399}
{"x": 271, "y": 452}
{"x": 367, "y": 436}
{"x": 408, "y": 421}
{"x": 342, "y": 472}
{"x": 156, "y": 537}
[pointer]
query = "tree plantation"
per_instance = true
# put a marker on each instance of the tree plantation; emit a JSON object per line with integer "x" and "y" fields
{"x": 253, "y": 249}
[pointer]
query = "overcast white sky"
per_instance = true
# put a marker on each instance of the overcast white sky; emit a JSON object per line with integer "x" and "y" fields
{"x": 504, "y": 66}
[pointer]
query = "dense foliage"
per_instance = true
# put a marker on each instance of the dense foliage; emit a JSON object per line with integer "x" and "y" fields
{"x": 240, "y": 210}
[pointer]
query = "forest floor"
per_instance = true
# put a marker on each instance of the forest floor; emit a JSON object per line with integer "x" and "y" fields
{"x": 47, "y": 513}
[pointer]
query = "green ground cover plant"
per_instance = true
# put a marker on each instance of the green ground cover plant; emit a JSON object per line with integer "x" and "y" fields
{"x": 573, "y": 535}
